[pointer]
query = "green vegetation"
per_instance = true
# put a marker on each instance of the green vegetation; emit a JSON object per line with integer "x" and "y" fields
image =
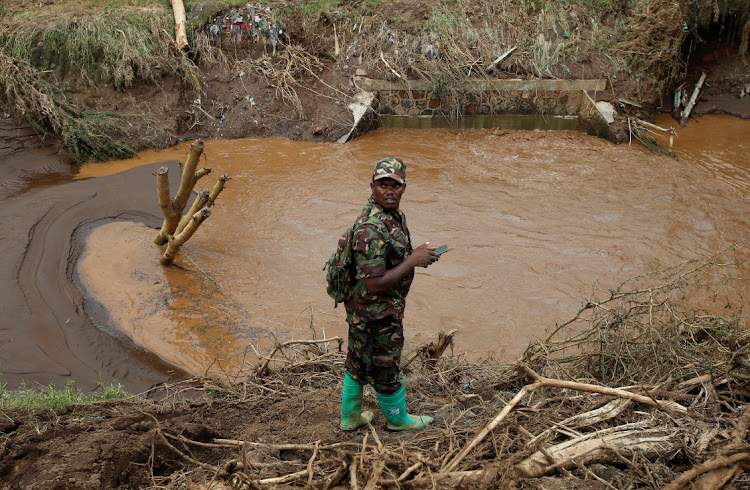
{"x": 117, "y": 46}
{"x": 48, "y": 112}
{"x": 52, "y": 398}
{"x": 68, "y": 45}
{"x": 311, "y": 11}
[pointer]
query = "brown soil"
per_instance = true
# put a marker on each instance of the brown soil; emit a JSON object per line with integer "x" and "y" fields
{"x": 113, "y": 445}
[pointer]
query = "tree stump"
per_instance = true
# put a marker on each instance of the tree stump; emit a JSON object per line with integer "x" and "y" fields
{"x": 176, "y": 229}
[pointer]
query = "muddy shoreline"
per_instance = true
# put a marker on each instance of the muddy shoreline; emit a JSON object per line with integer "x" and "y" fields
{"x": 49, "y": 334}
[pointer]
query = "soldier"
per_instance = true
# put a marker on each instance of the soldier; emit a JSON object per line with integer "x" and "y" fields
{"x": 385, "y": 262}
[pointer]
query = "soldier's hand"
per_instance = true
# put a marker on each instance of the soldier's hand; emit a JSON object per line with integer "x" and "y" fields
{"x": 424, "y": 255}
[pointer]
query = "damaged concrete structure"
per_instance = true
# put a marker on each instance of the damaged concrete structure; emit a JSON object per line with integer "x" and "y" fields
{"x": 420, "y": 99}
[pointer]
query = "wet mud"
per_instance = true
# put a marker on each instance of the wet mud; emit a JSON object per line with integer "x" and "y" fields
{"x": 46, "y": 333}
{"x": 535, "y": 223}
{"x": 25, "y": 161}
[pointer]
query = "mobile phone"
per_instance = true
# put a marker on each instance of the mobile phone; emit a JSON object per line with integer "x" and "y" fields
{"x": 441, "y": 249}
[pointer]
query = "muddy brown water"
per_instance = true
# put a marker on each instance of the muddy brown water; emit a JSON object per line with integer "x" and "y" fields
{"x": 535, "y": 222}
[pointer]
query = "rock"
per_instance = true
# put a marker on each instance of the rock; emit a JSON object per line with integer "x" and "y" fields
{"x": 607, "y": 110}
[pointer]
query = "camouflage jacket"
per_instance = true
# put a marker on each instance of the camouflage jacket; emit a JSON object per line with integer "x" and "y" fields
{"x": 375, "y": 253}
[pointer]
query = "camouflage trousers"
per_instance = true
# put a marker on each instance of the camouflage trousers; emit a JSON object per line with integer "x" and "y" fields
{"x": 374, "y": 353}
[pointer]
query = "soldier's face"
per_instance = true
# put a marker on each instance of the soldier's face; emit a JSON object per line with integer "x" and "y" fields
{"x": 387, "y": 193}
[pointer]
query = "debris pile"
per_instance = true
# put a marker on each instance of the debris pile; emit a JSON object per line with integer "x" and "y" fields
{"x": 637, "y": 389}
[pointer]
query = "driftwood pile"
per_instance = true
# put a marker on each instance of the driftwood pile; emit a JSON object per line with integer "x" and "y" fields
{"x": 636, "y": 390}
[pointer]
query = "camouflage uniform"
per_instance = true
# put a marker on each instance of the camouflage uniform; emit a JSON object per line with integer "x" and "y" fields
{"x": 376, "y": 334}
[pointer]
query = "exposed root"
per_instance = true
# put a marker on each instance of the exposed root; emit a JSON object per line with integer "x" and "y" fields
{"x": 284, "y": 72}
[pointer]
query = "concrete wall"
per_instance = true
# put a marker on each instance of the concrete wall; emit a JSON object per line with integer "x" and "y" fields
{"x": 492, "y": 97}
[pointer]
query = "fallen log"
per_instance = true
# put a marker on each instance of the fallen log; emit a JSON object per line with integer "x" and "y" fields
{"x": 586, "y": 419}
{"x": 599, "y": 446}
{"x": 540, "y": 381}
{"x": 180, "y": 20}
{"x": 692, "y": 101}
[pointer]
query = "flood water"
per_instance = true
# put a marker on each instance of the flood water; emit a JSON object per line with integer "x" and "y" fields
{"x": 535, "y": 223}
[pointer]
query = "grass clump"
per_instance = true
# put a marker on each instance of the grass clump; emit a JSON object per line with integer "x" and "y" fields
{"x": 68, "y": 45}
{"x": 311, "y": 11}
{"x": 53, "y": 398}
{"x": 81, "y": 132}
{"x": 119, "y": 46}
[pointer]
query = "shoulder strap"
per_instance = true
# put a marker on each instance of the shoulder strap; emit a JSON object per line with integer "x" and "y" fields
{"x": 374, "y": 219}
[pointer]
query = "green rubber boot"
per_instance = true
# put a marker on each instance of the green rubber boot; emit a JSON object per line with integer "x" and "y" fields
{"x": 394, "y": 408}
{"x": 352, "y": 415}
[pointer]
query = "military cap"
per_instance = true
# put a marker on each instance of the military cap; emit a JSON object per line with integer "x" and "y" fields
{"x": 390, "y": 168}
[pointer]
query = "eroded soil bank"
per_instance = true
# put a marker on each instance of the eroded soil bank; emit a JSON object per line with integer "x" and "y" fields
{"x": 147, "y": 94}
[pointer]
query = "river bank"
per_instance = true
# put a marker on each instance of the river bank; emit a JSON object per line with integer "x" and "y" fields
{"x": 104, "y": 96}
